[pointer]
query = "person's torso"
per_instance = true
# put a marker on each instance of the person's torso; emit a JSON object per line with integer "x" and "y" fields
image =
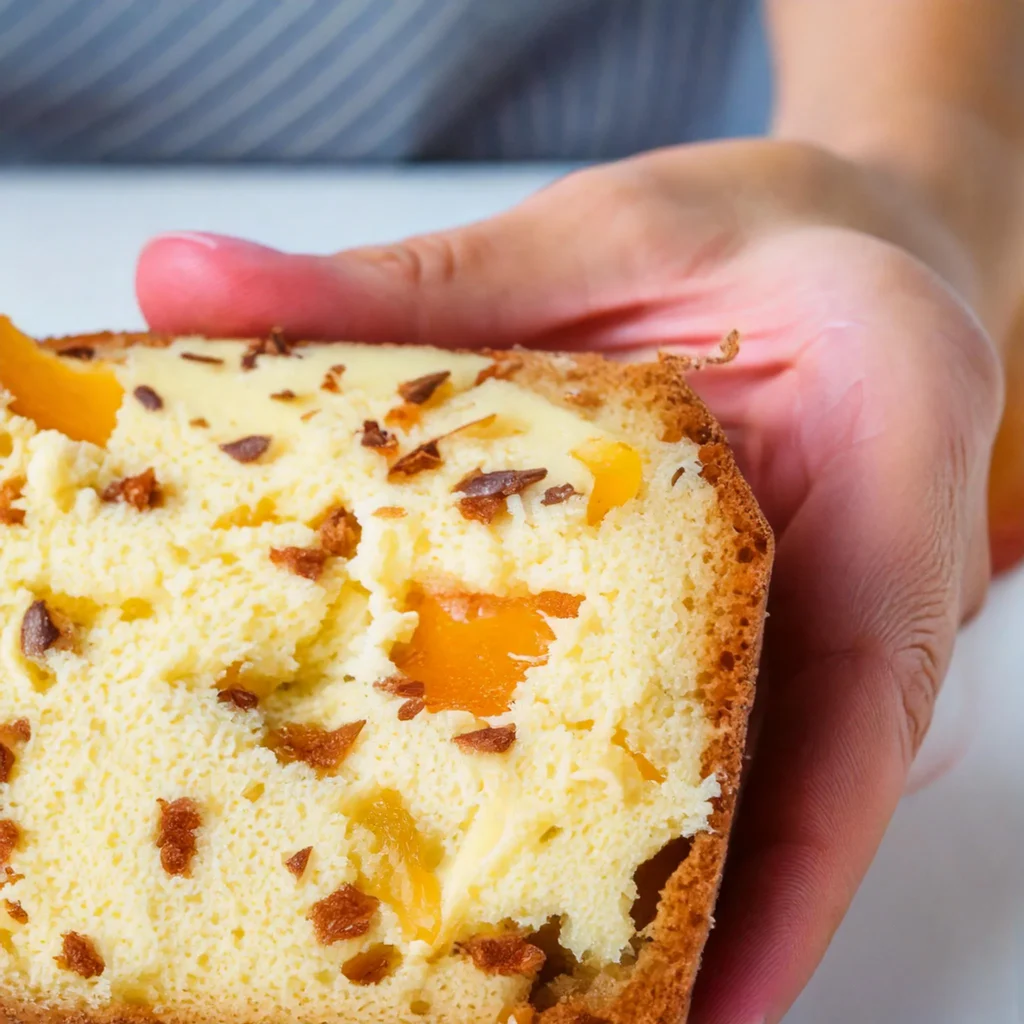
{"x": 330, "y": 80}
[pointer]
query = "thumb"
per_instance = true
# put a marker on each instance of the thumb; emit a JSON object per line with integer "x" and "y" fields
{"x": 511, "y": 279}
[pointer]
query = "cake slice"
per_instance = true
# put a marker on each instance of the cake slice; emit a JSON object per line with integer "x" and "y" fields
{"x": 363, "y": 684}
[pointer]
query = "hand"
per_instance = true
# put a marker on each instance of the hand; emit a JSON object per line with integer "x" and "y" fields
{"x": 862, "y": 409}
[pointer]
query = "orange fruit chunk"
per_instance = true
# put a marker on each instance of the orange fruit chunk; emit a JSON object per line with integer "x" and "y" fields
{"x": 80, "y": 402}
{"x": 471, "y": 651}
{"x": 648, "y": 771}
{"x": 405, "y": 881}
{"x": 617, "y": 471}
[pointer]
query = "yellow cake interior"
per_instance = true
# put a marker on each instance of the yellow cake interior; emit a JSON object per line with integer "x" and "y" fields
{"x": 585, "y": 616}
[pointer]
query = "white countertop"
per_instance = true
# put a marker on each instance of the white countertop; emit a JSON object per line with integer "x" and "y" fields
{"x": 936, "y": 935}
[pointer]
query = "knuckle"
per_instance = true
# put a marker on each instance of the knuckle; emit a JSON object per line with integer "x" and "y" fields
{"x": 425, "y": 260}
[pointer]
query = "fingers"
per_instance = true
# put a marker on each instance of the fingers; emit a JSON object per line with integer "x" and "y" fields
{"x": 500, "y": 281}
{"x": 873, "y": 575}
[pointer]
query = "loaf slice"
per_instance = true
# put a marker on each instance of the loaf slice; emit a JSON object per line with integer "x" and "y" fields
{"x": 363, "y": 684}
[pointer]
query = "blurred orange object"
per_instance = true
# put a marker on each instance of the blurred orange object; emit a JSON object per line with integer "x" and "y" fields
{"x": 1006, "y": 484}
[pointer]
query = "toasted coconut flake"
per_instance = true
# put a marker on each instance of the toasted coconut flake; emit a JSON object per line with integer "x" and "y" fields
{"x": 492, "y": 740}
{"x": 80, "y": 956}
{"x": 422, "y": 388}
{"x": 374, "y": 436}
{"x": 7, "y": 760}
{"x": 390, "y": 512}
{"x": 323, "y": 750}
{"x": 39, "y": 631}
{"x": 332, "y": 378}
{"x": 371, "y": 966}
{"x": 273, "y": 345}
{"x": 404, "y": 416}
{"x": 297, "y": 862}
{"x": 305, "y": 562}
{"x": 196, "y": 357}
{"x": 283, "y": 396}
{"x": 10, "y": 492}
{"x": 506, "y": 955}
{"x": 411, "y": 708}
{"x": 345, "y": 914}
{"x": 244, "y": 700}
{"x": 481, "y": 510}
{"x": 400, "y": 686}
{"x": 426, "y": 456}
{"x": 340, "y": 532}
{"x": 728, "y": 349}
{"x": 556, "y": 495}
{"x": 15, "y": 911}
{"x": 502, "y": 483}
{"x": 505, "y": 365}
{"x": 307, "y": 416}
{"x": 141, "y": 491}
{"x": 199, "y": 421}
{"x": 247, "y": 449}
{"x": 18, "y": 731}
{"x": 83, "y": 352}
{"x": 176, "y": 834}
{"x": 676, "y": 475}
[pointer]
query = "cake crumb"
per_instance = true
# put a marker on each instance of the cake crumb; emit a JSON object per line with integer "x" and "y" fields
{"x": 492, "y": 740}
{"x": 421, "y": 389}
{"x": 243, "y": 699}
{"x": 247, "y": 449}
{"x": 375, "y": 436}
{"x": 339, "y": 533}
{"x": 584, "y": 398}
{"x": 426, "y": 456}
{"x": 305, "y": 562}
{"x": 141, "y": 491}
{"x": 297, "y": 862}
{"x": 506, "y": 955}
{"x": 323, "y": 750}
{"x": 345, "y": 914}
{"x": 10, "y": 492}
{"x": 176, "y": 834}
{"x": 148, "y": 398}
{"x": 80, "y": 955}
{"x": 15, "y": 911}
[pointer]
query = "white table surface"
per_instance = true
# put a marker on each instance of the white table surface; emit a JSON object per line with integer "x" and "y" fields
{"x": 936, "y": 935}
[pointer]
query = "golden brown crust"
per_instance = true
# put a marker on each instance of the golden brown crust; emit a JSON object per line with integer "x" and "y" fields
{"x": 657, "y": 988}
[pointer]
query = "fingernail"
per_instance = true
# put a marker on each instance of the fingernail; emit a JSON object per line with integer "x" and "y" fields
{"x": 211, "y": 240}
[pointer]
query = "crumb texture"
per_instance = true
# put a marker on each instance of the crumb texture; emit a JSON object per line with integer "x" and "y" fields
{"x": 242, "y": 778}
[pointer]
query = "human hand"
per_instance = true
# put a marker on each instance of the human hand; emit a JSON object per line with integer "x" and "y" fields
{"x": 862, "y": 409}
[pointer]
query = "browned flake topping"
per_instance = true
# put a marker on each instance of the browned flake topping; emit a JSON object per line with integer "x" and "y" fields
{"x": 507, "y": 955}
{"x": 85, "y": 352}
{"x": 19, "y": 729}
{"x": 6, "y": 762}
{"x": 15, "y": 911}
{"x": 307, "y": 416}
{"x": 500, "y": 484}
{"x": 321, "y": 749}
{"x": 142, "y": 491}
{"x": 80, "y": 956}
{"x": 420, "y": 390}
{"x": 305, "y": 562}
{"x": 39, "y": 632}
{"x": 10, "y": 876}
{"x": 400, "y": 686}
{"x": 339, "y": 533}
{"x": 196, "y": 357}
{"x": 556, "y": 495}
{"x": 10, "y": 492}
{"x": 406, "y": 416}
{"x": 426, "y": 456}
{"x": 247, "y": 449}
{"x": 411, "y": 708}
{"x": 246, "y": 700}
{"x": 482, "y": 510}
{"x": 371, "y": 966}
{"x": 374, "y": 436}
{"x": 148, "y": 398}
{"x": 297, "y": 862}
{"x": 283, "y": 396}
{"x": 199, "y": 421}
{"x": 502, "y": 368}
{"x": 676, "y": 475}
{"x": 345, "y": 914}
{"x": 389, "y": 512}
{"x": 489, "y": 740}
{"x": 176, "y": 834}
{"x": 10, "y": 836}
{"x": 273, "y": 345}
{"x": 331, "y": 379}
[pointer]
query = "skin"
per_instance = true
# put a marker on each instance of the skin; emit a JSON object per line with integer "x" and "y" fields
{"x": 870, "y": 254}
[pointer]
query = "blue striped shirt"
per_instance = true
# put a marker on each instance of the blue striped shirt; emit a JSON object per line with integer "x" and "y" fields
{"x": 332, "y": 80}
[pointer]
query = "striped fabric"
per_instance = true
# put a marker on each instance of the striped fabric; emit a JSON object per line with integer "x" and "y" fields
{"x": 331, "y": 80}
